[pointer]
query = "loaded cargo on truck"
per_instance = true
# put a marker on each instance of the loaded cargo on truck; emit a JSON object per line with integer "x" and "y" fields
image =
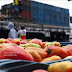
{"x": 42, "y": 21}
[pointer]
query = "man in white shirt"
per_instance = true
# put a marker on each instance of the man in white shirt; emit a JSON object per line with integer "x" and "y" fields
{"x": 22, "y": 33}
{"x": 12, "y": 33}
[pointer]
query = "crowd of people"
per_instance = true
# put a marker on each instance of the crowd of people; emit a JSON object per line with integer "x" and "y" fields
{"x": 13, "y": 33}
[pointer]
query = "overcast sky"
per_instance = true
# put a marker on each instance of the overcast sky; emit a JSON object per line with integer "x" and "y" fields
{"x": 59, "y": 3}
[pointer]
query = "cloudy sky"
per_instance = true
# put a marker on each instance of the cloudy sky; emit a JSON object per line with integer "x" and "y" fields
{"x": 59, "y": 3}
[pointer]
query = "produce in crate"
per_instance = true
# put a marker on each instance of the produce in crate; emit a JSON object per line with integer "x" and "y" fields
{"x": 57, "y": 44}
{"x": 2, "y": 40}
{"x": 39, "y": 70}
{"x": 68, "y": 57}
{"x": 52, "y": 58}
{"x": 32, "y": 45}
{"x": 36, "y": 47}
{"x": 23, "y": 42}
{"x": 40, "y": 51}
{"x": 21, "y": 47}
{"x": 36, "y": 41}
{"x": 7, "y": 41}
{"x": 55, "y": 50}
{"x": 14, "y": 52}
{"x": 16, "y": 40}
{"x": 64, "y": 66}
{"x": 35, "y": 55}
{"x": 49, "y": 43}
{"x": 69, "y": 45}
{"x": 65, "y": 47}
{"x": 70, "y": 51}
{"x": 3, "y": 45}
{"x": 43, "y": 44}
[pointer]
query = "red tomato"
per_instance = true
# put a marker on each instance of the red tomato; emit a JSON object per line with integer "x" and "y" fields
{"x": 2, "y": 45}
{"x": 55, "y": 50}
{"x": 36, "y": 41}
{"x": 40, "y": 70}
{"x": 16, "y": 40}
{"x": 70, "y": 51}
{"x": 7, "y": 41}
{"x": 40, "y": 51}
{"x": 49, "y": 49}
{"x": 69, "y": 45}
{"x": 43, "y": 44}
{"x": 14, "y": 52}
{"x": 23, "y": 42}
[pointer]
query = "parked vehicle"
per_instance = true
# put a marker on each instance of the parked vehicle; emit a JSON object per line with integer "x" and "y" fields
{"x": 42, "y": 21}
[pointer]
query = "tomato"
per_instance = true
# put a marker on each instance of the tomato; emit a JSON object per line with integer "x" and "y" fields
{"x": 35, "y": 55}
{"x": 49, "y": 49}
{"x": 65, "y": 66}
{"x": 16, "y": 40}
{"x": 43, "y": 44}
{"x": 2, "y": 40}
{"x": 1, "y": 45}
{"x": 61, "y": 52}
{"x": 55, "y": 50}
{"x": 70, "y": 51}
{"x": 14, "y": 52}
{"x": 40, "y": 51}
{"x": 69, "y": 45}
{"x": 39, "y": 70}
{"x": 23, "y": 42}
{"x": 7, "y": 41}
{"x": 52, "y": 58}
{"x": 36, "y": 41}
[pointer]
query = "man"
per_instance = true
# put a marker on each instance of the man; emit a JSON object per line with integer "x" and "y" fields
{"x": 22, "y": 33}
{"x": 12, "y": 33}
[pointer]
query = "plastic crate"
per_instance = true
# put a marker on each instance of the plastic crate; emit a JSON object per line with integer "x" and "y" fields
{"x": 7, "y": 64}
{"x": 69, "y": 59}
{"x": 65, "y": 43}
{"x": 19, "y": 66}
{"x": 25, "y": 66}
{"x": 32, "y": 66}
{"x": 28, "y": 68}
{"x": 5, "y": 60}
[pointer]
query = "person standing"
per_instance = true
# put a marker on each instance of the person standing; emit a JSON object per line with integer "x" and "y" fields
{"x": 12, "y": 33}
{"x": 22, "y": 33}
